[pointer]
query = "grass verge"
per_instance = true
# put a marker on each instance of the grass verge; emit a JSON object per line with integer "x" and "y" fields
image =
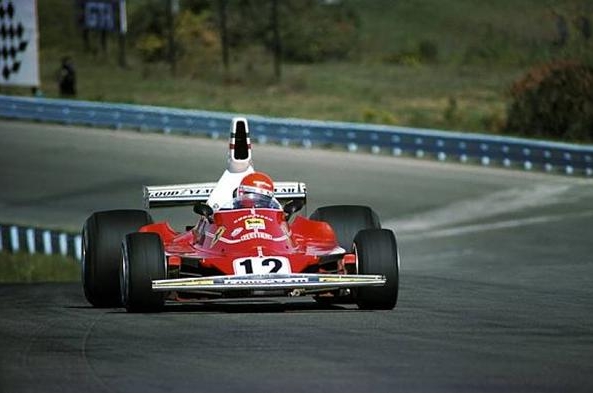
{"x": 26, "y": 268}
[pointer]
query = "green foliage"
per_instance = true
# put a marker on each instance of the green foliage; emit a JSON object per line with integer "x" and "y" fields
{"x": 428, "y": 51}
{"x": 396, "y": 61}
{"x": 451, "y": 113}
{"x": 493, "y": 122}
{"x": 554, "y": 101}
{"x": 424, "y": 52}
{"x": 313, "y": 31}
{"x": 198, "y": 42}
{"x": 310, "y": 30}
{"x": 25, "y": 268}
{"x": 371, "y": 115}
{"x": 151, "y": 47}
{"x": 196, "y": 38}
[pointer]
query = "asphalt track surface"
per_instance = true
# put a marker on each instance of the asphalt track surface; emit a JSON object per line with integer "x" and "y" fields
{"x": 495, "y": 288}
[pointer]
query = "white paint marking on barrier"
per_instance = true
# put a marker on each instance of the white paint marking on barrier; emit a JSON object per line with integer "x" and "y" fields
{"x": 485, "y": 161}
{"x": 47, "y": 248}
{"x": 352, "y": 147}
{"x": 285, "y": 142}
{"x": 548, "y": 167}
{"x": 375, "y": 149}
{"x": 78, "y": 247}
{"x": 589, "y": 171}
{"x": 30, "y": 233}
{"x": 506, "y": 162}
{"x": 63, "y": 240}
{"x": 214, "y": 135}
{"x": 307, "y": 144}
{"x": 14, "y": 239}
{"x": 397, "y": 152}
{"x": 463, "y": 158}
{"x": 442, "y": 156}
{"x": 528, "y": 166}
{"x": 419, "y": 153}
{"x": 569, "y": 170}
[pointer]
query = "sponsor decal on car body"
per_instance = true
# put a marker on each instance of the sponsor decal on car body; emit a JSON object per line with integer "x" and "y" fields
{"x": 255, "y": 224}
{"x": 217, "y": 235}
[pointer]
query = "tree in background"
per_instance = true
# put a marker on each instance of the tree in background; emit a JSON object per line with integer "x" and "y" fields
{"x": 553, "y": 101}
{"x": 186, "y": 39}
{"x": 289, "y": 30}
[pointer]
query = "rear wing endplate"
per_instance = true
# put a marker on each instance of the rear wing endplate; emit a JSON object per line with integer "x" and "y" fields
{"x": 192, "y": 193}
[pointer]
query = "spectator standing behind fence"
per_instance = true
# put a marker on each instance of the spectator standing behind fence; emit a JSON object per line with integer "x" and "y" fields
{"x": 67, "y": 78}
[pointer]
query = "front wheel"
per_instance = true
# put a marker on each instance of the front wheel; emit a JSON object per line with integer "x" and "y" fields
{"x": 377, "y": 254}
{"x": 143, "y": 260}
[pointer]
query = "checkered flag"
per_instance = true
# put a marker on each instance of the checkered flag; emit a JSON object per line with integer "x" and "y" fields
{"x": 14, "y": 40}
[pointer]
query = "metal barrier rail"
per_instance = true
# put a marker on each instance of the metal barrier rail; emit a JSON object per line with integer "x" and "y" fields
{"x": 569, "y": 159}
{"x": 14, "y": 239}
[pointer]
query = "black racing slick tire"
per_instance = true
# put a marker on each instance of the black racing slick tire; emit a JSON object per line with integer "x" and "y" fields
{"x": 347, "y": 221}
{"x": 102, "y": 235}
{"x": 377, "y": 254}
{"x": 143, "y": 260}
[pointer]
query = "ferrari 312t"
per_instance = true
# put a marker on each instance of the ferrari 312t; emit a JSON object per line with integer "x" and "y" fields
{"x": 249, "y": 241}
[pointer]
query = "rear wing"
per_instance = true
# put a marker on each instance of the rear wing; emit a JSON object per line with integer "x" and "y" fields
{"x": 192, "y": 193}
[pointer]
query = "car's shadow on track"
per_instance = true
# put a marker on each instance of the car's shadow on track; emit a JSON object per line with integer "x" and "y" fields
{"x": 241, "y": 306}
{"x": 259, "y": 306}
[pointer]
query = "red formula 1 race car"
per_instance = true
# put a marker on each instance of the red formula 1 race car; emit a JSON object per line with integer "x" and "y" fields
{"x": 249, "y": 241}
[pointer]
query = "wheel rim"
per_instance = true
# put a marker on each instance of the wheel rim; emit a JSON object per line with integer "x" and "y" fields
{"x": 124, "y": 278}
{"x": 83, "y": 258}
{"x": 355, "y": 250}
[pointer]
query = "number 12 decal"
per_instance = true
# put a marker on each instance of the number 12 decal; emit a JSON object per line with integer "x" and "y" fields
{"x": 261, "y": 265}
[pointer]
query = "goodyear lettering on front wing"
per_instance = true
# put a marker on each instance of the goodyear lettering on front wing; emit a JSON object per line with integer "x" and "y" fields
{"x": 255, "y": 281}
{"x": 188, "y": 282}
{"x": 341, "y": 279}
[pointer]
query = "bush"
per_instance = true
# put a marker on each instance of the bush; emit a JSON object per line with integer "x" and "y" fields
{"x": 314, "y": 32}
{"x": 553, "y": 101}
{"x": 425, "y": 52}
{"x": 151, "y": 48}
{"x": 428, "y": 51}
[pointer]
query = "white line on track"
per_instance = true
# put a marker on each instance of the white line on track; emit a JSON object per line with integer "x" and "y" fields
{"x": 510, "y": 200}
{"x": 505, "y": 224}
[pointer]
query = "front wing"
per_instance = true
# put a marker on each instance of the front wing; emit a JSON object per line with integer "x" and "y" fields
{"x": 306, "y": 282}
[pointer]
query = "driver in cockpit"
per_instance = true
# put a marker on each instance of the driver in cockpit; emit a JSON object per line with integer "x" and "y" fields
{"x": 256, "y": 190}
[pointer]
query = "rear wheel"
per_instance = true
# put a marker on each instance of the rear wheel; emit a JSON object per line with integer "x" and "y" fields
{"x": 347, "y": 220}
{"x": 376, "y": 253}
{"x": 101, "y": 253}
{"x": 143, "y": 260}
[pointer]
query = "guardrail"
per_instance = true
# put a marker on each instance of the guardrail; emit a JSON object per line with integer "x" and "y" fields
{"x": 14, "y": 239}
{"x": 530, "y": 155}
